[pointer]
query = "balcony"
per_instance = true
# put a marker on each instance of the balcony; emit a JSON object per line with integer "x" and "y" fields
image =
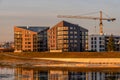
{"x": 62, "y": 28}
{"x": 62, "y": 37}
{"x": 62, "y": 32}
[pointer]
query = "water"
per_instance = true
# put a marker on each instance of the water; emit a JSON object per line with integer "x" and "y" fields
{"x": 7, "y": 73}
{"x": 26, "y": 73}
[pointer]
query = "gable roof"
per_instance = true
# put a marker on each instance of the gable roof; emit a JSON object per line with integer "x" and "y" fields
{"x": 66, "y": 23}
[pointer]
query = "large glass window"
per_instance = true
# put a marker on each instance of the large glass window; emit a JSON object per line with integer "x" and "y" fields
{"x": 71, "y": 41}
{"x": 75, "y": 32}
{"x": 60, "y": 41}
{"x": 43, "y": 75}
{"x": 62, "y": 28}
{"x": 60, "y": 37}
{"x": 75, "y": 36}
{"x": 71, "y": 32}
{"x": 65, "y": 41}
{"x": 75, "y": 41}
{"x": 71, "y": 36}
{"x": 60, "y": 32}
{"x": 71, "y": 28}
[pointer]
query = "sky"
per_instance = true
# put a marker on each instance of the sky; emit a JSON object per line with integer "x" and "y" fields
{"x": 44, "y": 13}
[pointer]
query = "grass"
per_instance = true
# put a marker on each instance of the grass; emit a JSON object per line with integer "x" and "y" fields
{"x": 66, "y": 55}
{"x": 10, "y": 60}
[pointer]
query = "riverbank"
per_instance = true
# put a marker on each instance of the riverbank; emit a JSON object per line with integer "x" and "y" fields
{"x": 66, "y": 60}
{"x": 62, "y": 55}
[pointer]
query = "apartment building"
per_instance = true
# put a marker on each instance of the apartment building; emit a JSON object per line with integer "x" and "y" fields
{"x": 30, "y": 38}
{"x": 96, "y": 43}
{"x": 99, "y": 42}
{"x": 116, "y": 39}
{"x": 67, "y": 37}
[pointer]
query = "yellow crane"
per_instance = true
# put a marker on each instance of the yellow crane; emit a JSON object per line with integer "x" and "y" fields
{"x": 100, "y": 18}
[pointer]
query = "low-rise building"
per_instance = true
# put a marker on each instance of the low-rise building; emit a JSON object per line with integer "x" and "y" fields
{"x": 7, "y": 46}
{"x": 99, "y": 42}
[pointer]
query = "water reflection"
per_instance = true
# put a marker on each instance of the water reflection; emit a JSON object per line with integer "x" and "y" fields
{"x": 19, "y": 73}
{"x": 6, "y": 73}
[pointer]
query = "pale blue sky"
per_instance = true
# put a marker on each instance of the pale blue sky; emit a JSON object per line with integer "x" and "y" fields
{"x": 44, "y": 13}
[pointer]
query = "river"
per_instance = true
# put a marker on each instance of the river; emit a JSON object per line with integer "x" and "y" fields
{"x": 27, "y": 73}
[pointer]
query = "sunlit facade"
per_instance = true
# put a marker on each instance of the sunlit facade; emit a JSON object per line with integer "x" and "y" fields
{"x": 67, "y": 37}
{"x": 30, "y": 38}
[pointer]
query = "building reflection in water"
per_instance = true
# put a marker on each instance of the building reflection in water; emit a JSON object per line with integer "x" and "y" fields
{"x": 39, "y": 74}
{"x": 7, "y": 73}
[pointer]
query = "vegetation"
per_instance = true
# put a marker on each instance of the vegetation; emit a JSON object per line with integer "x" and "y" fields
{"x": 7, "y": 50}
{"x": 110, "y": 46}
{"x": 24, "y": 59}
{"x": 65, "y": 55}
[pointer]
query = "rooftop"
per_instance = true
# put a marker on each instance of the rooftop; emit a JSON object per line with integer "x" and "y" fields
{"x": 34, "y": 28}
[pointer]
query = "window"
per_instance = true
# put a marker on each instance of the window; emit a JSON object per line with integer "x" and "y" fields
{"x": 91, "y": 42}
{"x": 29, "y": 42}
{"x": 71, "y": 32}
{"x": 29, "y": 46}
{"x": 83, "y": 33}
{"x": 75, "y": 45}
{"x": 94, "y": 38}
{"x": 71, "y": 41}
{"x": 91, "y": 46}
{"x": 95, "y": 42}
{"x": 71, "y": 27}
{"x": 95, "y": 46}
{"x": 60, "y": 33}
{"x": 74, "y": 27}
{"x": 65, "y": 41}
{"x": 86, "y": 33}
{"x": 29, "y": 49}
{"x": 65, "y": 49}
{"x": 60, "y": 37}
{"x": 75, "y": 32}
{"x": 19, "y": 32}
{"x": 65, "y": 28}
{"x": 65, "y": 46}
{"x": 71, "y": 36}
{"x": 60, "y": 28}
{"x": 65, "y": 37}
{"x": 75, "y": 36}
{"x": 27, "y": 39}
{"x": 75, "y": 41}
{"x": 60, "y": 41}
{"x": 65, "y": 32}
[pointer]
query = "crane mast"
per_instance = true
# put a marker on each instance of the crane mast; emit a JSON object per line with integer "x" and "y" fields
{"x": 100, "y": 18}
{"x": 101, "y": 24}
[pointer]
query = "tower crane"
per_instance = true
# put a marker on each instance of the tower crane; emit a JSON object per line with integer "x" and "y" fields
{"x": 100, "y": 18}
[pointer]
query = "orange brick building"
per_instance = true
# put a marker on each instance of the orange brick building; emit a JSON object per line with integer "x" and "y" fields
{"x": 29, "y": 38}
